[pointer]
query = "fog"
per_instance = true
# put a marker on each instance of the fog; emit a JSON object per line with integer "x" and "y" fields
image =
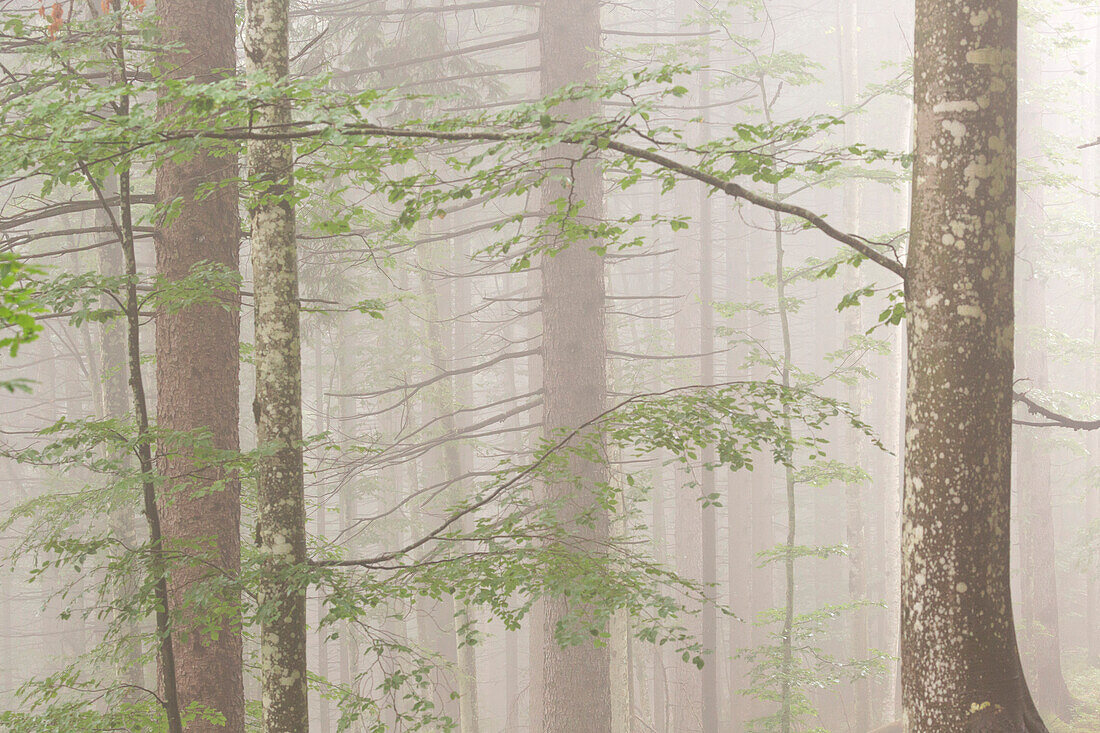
{"x": 602, "y": 415}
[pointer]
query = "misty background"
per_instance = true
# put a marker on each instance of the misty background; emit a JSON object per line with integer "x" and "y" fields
{"x": 424, "y": 373}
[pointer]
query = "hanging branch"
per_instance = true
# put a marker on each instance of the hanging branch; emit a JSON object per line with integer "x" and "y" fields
{"x": 1056, "y": 420}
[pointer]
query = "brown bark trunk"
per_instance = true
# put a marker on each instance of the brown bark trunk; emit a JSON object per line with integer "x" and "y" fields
{"x": 960, "y": 664}
{"x": 576, "y": 680}
{"x": 197, "y": 356}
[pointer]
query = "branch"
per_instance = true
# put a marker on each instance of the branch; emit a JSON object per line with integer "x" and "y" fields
{"x": 1056, "y": 419}
{"x": 735, "y": 190}
{"x": 456, "y": 516}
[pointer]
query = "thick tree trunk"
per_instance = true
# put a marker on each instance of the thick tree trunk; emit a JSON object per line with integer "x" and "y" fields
{"x": 960, "y": 664}
{"x": 280, "y": 522}
{"x": 197, "y": 357}
{"x": 576, "y": 680}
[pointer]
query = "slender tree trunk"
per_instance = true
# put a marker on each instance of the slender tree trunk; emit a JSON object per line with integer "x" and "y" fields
{"x": 114, "y": 403}
{"x": 686, "y": 701}
{"x": 1092, "y": 498}
{"x": 739, "y": 505}
{"x": 787, "y": 692}
{"x": 197, "y": 357}
{"x": 320, "y": 425}
{"x": 347, "y": 644}
{"x": 856, "y": 538}
{"x": 576, "y": 679}
{"x": 762, "y": 527}
{"x": 709, "y": 619}
{"x": 280, "y": 520}
{"x": 960, "y": 664}
{"x": 159, "y": 570}
{"x": 1040, "y": 635}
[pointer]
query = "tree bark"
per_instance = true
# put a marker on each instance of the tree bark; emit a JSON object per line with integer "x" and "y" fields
{"x": 197, "y": 370}
{"x": 280, "y": 524}
{"x": 576, "y": 679}
{"x": 960, "y": 664}
{"x": 856, "y": 531}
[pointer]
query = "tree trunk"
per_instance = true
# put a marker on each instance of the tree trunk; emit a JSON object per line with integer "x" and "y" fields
{"x": 280, "y": 522}
{"x": 1092, "y": 498}
{"x": 197, "y": 368}
{"x": 856, "y": 535}
{"x": 960, "y": 664}
{"x": 576, "y": 679}
{"x": 1040, "y": 637}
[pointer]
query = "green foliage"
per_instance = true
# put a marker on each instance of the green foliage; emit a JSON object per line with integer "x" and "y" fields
{"x": 19, "y": 303}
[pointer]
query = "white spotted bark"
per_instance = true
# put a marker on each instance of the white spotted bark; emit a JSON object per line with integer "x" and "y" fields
{"x": 960, "y": 664}
{"x": 278, "y": 406}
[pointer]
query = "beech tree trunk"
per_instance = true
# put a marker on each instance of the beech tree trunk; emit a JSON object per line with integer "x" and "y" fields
{"x": 280, "y": 523}
{"x": 576, "y": 680}
{"x": 960, "y": 664}
{"x": 197, "y": 370}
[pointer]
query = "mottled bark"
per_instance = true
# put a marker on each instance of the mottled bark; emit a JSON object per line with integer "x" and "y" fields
{"x": 197, "y": 357}
{"x": 960, "y": 664}
{"x": 280, "y": 523}
{"x": 576, "y": 679}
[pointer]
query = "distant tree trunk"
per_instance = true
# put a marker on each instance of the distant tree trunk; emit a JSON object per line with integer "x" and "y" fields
{"x": 320, "y": 425}
{"x": 739, "y": 506}
{"x": 787, "y": 713}
{"x": 660, "y": 552}
{"x": 280, "y": 522}
{"x": 1092, "y": 498}
{"x": 348, "y": 499}
{"x": 856, "y": 537}
{"x": 686, "y": 688}
{"x": 114, "y": 402}
{"x": 576, "y": 679}
{"x": 197, "y": 367}
{"x": 960, "y": 664}
{"x": 1040, "y": 636}
{"x": 709, "y": 619}
{"x": 762, "y": 521}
